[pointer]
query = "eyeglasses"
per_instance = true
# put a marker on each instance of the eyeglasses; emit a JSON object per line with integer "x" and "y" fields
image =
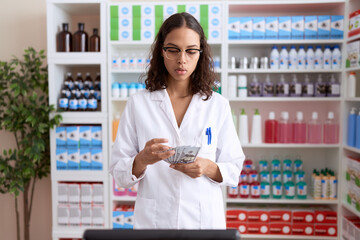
{"x": 173, "y": 53}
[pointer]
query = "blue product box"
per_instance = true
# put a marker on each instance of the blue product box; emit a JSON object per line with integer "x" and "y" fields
{"x": 85, "y": 158}
{"x": 60, "y": 136}
{"x": 324, "y": 27}
{"x": 96, "y": 159}
{"x": 297, "y": 27}
{"x": 96, "y": 136}
{"x": 259, "y": 28}
{"x": 272, "y": 28}
{"x": 337, "y": 27}
{"x": 73, "y": 158}
{"x": 285, "y": 27}
{"x": 72, "y": 136}
{"x": 85, "y": 136}
{"x": 61, "y": 158}
{"x": 123, "y": 219}
{"x": 246, "y": 28}
{"x": 234, "y": 28}
{"x": 310, "y": 31}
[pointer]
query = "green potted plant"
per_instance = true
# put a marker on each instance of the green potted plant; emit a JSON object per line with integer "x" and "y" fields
{"x": 26, "y": 113}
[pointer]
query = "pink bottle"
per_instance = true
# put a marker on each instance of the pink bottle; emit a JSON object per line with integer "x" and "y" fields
{"x": 299, "y": 129}
{"x": 271, "y": 129}
{"x": 285, "y": 129}
{"x": 331, "y": 130}
{"x": 119, "y": 191}
{"x": 133, "y": 190}
{"x": 314, "y": 130}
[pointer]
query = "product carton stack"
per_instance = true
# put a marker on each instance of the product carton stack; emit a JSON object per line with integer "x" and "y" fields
{"x": 353, "y": 48}
{"x": 353, "y": 182}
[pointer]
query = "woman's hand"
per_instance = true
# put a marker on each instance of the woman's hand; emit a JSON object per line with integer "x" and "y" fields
{"x": 153, "y": 152}
{"x": 201, "y": 166}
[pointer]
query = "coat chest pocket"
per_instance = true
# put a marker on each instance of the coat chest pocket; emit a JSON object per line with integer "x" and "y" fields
{"x": 208, "y": 140}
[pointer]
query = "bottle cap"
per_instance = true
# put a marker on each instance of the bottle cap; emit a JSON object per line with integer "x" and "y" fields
{"x": 69, "y": 74}
{"x": 79, "y": 74}
{"x": 87, "y": 74}
{"x": 353, "y": 110}
{"x": 299, "y": 116}
{"x": 256, "y": 112}
{"x": 243, "y": 112}
{"x": 285, "y": 115}
{"x": 272, "y": 115}
{"x": 310, "y": 47}
{"x": 331, "y": 115}
{"x": 314, "y": 115}
{"x": 283, "y": 47}
{"x": 275, "y": 47}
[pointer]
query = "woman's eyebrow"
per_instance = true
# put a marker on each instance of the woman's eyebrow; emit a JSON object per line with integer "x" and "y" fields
{"x": 194, "y": 45}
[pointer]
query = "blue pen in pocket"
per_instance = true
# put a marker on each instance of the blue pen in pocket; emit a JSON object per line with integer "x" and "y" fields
{"x": 208, "y": 133}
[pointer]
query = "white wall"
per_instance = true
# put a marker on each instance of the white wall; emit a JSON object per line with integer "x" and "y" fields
{"x": 23, "y": 24}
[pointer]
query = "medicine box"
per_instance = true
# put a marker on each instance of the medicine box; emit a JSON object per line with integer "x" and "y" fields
{"x": 234, "y": 28}
{"x": 240, "y": 226}
{"x": 85, "y": 136}
{"x": 311, "y": 26}
{"x": 85, "y": 158}
{"x": 194, "y": 10}
{"x": 285, "y": 27}
{"x": 280, "y": 216}
{"x": 324, "y": 27}
{"x": 98, "y": 193}
{"x": 168, "y": 10}
{"x": 63, "y": 195}
{"x": 96, "y": 159}
{"x": 297, "y": 27}
{"x": 303, "y": 229}
{"x": 86, "y": 193}
{"x": 236, "y": 215}
{"x": 280, "y": 228}
{"x": 63, "y": 215}
{"x": 258, "y": 216}
{"x": 337, "y": 27}
{"x": 72, "y": 136}
{"x": 98, "y": 217}
{"x": 61, "y": 158}
{"x": 303, "y": 216}
{"x": 246, "y": 28}
{"x": 354, "y": 24}
{"x": 86, "y": 215}
{"x": 74, "y": 193}
{"x": 325, "y": 230}
{"x": 125, "y": 10}
{"x": 258, "y": 228}
{"x": 73, "y": 155}
{"x": 74, "y": 215}
{"x": 271, "y": 27}
{"x": 214, "y": 35}
{"x": 259, "y": 28}
{"x": 123, "y": 218}
{"x": 96, "y": 136}
{"x": 353, "y": 54}
{"x": 60, "y": 137}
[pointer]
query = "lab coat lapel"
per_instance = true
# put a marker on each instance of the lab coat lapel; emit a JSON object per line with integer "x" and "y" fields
{"x": 192, "y": 111}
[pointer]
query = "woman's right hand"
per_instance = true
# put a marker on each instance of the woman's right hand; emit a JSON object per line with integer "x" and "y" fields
{"x": 153, "y": 152}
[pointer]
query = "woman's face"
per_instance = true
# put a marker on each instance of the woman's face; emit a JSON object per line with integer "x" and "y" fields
{"x": 182, "y": 66}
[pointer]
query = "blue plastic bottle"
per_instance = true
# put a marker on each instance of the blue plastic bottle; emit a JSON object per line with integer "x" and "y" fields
{"x": 351, "y": 128}
{"x": 357, "y": 131}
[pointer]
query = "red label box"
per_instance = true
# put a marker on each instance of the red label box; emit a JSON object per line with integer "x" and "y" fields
{"x": 280, "y": 228}
{"x": 303, "y": 229}
{"x": 236, "y": 215}
{"x": 240, "y": 226}
{"x": 325, "y": 217}
{"x": 258, "y": 216}
{"x": 258, "y": 228}
{"x": 300, "y": 216}
{"x": 280, "y": 216}
{"x": 325, "y": 230}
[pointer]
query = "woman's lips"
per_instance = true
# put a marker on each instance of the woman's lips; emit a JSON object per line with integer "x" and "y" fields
{"x": 181, "y": 71}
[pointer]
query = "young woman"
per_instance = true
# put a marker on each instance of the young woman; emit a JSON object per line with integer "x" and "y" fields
{"x": 178, "y": 108}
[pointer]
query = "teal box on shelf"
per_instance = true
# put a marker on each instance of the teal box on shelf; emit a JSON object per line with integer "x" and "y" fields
{"x": 96, "y": 136}
{"x": 259, "y": 28}
{"x": 85, "y": 136}
{"x": 234, "y": 28}
{"x": 73, "y": 158}
{"x": 311, "y": 25}
{"x": 337, "y": 27}
{"x": 96, "y": 159}
{"x": 61, "y": 158}
{"x": 285, "y": 27}
{"x": 60, "y": 136}
{"x": 324, "y": 27}
{"x": 123, "y": 219}
{"x": 297, "y": 27}
{"x": 85, "y": 158}
{"x": 246, "y": 28}
{"x": 72, "y": 136}
{"x": 272, "y": 27}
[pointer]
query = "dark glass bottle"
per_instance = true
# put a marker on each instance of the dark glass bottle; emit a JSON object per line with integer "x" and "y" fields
{"x": 80, "y": 43}
{"x": 63, "y": 100}
{"x": 88, "y": 82}
{"x": 95, "y": 41}
{"x": 73, "y": 103}
{"x": 82, "y": 102}
{"x": 64, "y": 39}
{"x": 97, "y": 81}
{"x": 92, "y": 102}
{"x": 79, "y": 81}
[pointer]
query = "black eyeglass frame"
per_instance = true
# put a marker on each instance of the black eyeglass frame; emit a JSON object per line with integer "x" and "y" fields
{"x": 186, "y": 50}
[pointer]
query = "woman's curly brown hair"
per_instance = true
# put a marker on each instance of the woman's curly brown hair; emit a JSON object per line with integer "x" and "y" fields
{"x": 202, "y": 80}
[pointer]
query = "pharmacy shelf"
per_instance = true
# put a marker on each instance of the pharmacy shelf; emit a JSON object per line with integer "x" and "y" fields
{"x": 355, "y": 99}
{"x": 290, "y": 145}
{"x": 351, "y": 209}
{"x": 353, "y": 69}
{"x": 353, "y": 149}
{"x": 282, "y": 2}
{"x": 71, "y": 232}
{"x": 141, "y": 43}
{"x": 287, "y": 42}
{"x": 123, "y": 198}
{"x": 128, "y": 71}
{"x": 268, "y": 236}
{"x": 232, "y": 71}
{"x": 77, "y": 58}
{"x": 280, "y": 201}
{"x": 81, "y": 117}
{"x": 286, "y": 99}
{"x": 119, "y": 99}
{"x": 79, "y": 175}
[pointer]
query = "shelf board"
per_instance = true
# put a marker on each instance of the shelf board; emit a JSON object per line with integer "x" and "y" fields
{"x": 231, "y": 71}
{"x": 127, "y": 70}
{"x": 353, "y": 149}
{"x": 281, "y": 201}
{"x": 286, "y": 99}
{"x": 71, "y": 232}
{"x": 269, "y": 236}
{"x": 123, "y": 198}
{"x": 353, "y": 38}
{"x": 82, "y": 117}
{"x": 264, "y": 2}
{"x": 351, "y": 209}
{"x": 74, "y": 58}
{"x": 289, "y": 41}
{"x": 79, "y": 175}
{"x": 355, "y": 99}
{"x": 352, "y": 69}
{"x": 119, "y": 99}
{"x": 290, "y": 145}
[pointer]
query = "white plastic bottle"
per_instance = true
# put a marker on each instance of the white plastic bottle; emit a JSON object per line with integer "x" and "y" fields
{"x": 319, "y": 58}
{"x": 293, "y": 58}
{"x": 351, "y": 89}
{"x": 284, "y": 58}
{"x": 274, "y": 58}
{"x": 125, "y": 61}
{"x": 336, "y": 58}
{"x": 327, "y": 58}
{"x": 256, "y": 137}
{"x": 243, "y": 128}
{"x": 301, "y": 58}
{"x": 310, "y": 58}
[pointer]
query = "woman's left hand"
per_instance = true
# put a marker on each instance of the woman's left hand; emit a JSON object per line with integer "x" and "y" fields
{"x": 201, "y": 166}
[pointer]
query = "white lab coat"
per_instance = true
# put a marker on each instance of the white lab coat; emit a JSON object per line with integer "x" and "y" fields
{"x": 167, "y": 198}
